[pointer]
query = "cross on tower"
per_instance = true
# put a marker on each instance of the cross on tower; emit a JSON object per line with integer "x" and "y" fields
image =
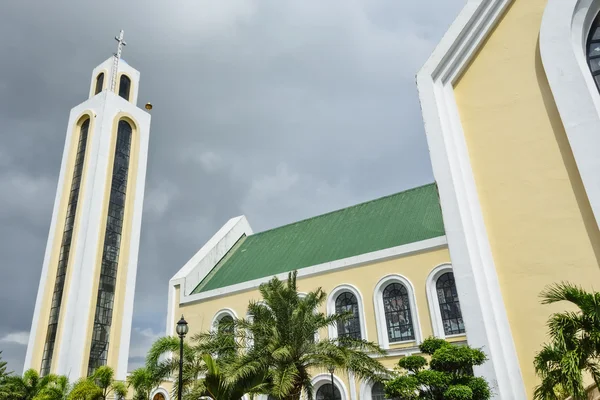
{"x": 113, "y": 81}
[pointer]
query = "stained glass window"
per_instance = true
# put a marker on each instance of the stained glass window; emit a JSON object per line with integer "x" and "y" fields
{"x": 124, "y": 87}
{"x": 398, "y": 316}
{"x": 346, "y": 302}
{"x": 111, "y": 250}
{"x": 325, "y": 393}
{"x": 65, "y": 250}
{"x": 377, "y": 391}
{"x": 449, "y": 304}
{"x": 99, "y": 83}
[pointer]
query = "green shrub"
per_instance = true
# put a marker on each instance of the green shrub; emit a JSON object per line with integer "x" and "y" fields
{"x": 458, "y": 392}
{"x": 449, "y": 377}
{"x": 412, "y": 363}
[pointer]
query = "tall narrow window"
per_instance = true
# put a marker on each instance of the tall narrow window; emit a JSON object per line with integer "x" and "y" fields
{"x": 111, "y": 250}
{"x": 377, "y": 391}
{"x": 593, "y": 50}
{"x": 346, "y": 302}
{"x": 124, "y": 87}
{"x": 65, "y": 250}
{"x": 99, "y": 83}
{"x": 449, "y": 305}
{"x": 328, "y": 392}
{"x": 398, "y": 316}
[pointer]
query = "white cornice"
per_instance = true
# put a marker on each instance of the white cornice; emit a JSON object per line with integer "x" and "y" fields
{"x": 475, "y": 273}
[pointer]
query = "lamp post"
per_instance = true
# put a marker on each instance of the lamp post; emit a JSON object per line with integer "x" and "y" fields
{"x": 182, "y": 330}
{"x": 331, "y": 371}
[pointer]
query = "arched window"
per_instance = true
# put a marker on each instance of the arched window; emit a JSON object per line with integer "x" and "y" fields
{"x": 328, "y": 392}
{"x": 99, "y": 83}
{"x": 124, "y": 87}
{"x": 346, "y": 302}
{"x": 65, "y": 249}
{"x": 159, "y": 396}
{"x": 593, "y": 50}
{"x": 398, "y": 318}
{"x": 111, "y": 249}
{"x": 449, "y": 304}
{"x": 225, "y": 324}
{"x": 377, "y": 391}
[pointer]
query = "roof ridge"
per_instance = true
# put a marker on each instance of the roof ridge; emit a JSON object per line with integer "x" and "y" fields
{"x": 344, "y": 208}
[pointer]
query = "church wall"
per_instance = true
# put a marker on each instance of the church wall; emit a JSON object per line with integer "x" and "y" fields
{"x": 415, "y": 268}
{"x": 537, "y": 216}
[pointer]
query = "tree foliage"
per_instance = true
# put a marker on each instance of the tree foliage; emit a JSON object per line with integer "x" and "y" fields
{"x": 449, "y": 377}
{"x": 272, "y": 352}
{"x": 143, "y": 380}
{"x": 31, "y": 386}
{"x": 99, "y": 386}
{"x": 574, "y": 346}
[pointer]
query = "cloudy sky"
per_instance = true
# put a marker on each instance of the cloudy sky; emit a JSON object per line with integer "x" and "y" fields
{"x": 276, "y": 109}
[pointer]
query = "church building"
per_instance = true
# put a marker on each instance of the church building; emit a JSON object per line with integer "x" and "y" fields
{"x": 510, "y": 101}
{"x": 511, "y": 106}
{"x": 84, "y": 305}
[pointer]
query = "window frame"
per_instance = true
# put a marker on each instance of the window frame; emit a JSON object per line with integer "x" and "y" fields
{"x": 435, "y": 312}
{"x": 323, "y": 379}
{"x": 381, "y": 323}
{"x": 331, "y": 309}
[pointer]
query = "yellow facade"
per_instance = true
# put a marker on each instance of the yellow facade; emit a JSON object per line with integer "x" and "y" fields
{"x": 536, "y": 212}
{"x": 415, "y": 267}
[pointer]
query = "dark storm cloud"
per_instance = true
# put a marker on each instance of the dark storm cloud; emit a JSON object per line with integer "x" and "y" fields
{"x": 274, "y": 109}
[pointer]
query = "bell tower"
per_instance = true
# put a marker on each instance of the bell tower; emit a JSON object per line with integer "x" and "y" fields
{"x": 84, "y": 306}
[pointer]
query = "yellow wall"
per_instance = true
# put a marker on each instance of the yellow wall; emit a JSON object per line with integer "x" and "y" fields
{"x": 42, "y": 325}
{"x": 537, "y": 216}
{"x": 415, "y": 268}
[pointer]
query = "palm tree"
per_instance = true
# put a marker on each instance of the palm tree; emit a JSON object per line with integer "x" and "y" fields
{"x": 98, "y": 386}
{"x": 31, "y": 386}
{"x": 57, "y": 389}
{"x": 279, "y": 341}
{"x": 574, "y": 345}
{"x": 143, "y": 380}
{"x": 216, "y": 385}
{"x": 3, "y": 372}
{"x": 163, "y": 359}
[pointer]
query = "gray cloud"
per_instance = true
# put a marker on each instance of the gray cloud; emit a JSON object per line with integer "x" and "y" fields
{"x": 275, "y": 109}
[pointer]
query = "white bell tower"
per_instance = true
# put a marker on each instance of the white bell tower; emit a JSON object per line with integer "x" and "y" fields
{"x": 83, "y": 311}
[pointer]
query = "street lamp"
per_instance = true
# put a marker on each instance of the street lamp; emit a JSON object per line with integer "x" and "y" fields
{"x": 182, "y": 330}
{"x": 331, "y": 369}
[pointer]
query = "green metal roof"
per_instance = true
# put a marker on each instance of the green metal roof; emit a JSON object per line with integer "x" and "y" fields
{"x": 390, "y": 221}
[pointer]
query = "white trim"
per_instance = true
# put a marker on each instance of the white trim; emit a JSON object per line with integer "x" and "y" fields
{"x": 142, "y": 129}
{"x": 352, "y": 384}
{"x": 196, "y": 269}
{"x": 365, "y": 390}
{"x": 160, "y": 390}
{"x": 324, "y": 379}
{"x": 380, "y": 321}
{"x": 349, "y": 262}
{"x": 332, "y": 297}
{"x": 563, "y": 36}
{"x": 214, "y": 324}
{"x": 433, "y": 301}
{"x": 475, "y": 273}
